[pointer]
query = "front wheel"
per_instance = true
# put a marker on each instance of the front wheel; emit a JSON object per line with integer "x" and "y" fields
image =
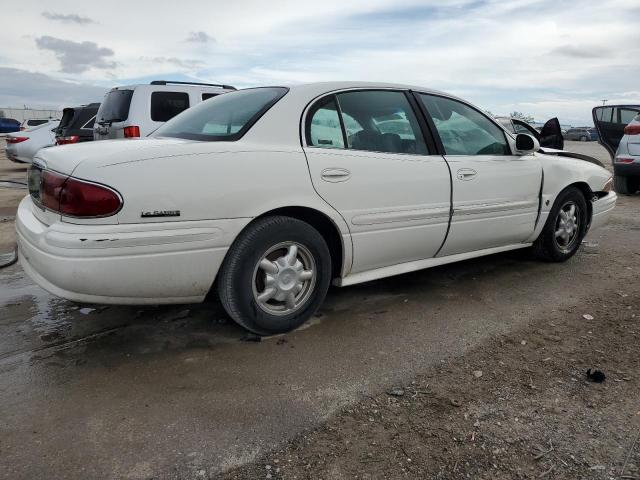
{"x": 565, "y": 227}
{"x": 275, "y": 275}
{"x": 583, "y": 139}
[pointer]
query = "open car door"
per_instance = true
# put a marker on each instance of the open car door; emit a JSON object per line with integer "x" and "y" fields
{"x": 551, "y": 135}
{"x": 610, "y": 121}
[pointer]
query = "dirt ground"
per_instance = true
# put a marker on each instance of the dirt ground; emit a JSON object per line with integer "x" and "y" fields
{"x": 518, "y": 406}
{"x": 384, "y": 382}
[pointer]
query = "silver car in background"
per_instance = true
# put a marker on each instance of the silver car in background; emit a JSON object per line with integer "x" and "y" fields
{"x": 22, "y": 146}
{"x": 619, "y": 133}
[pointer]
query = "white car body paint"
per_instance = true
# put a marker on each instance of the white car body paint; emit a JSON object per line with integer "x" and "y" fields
{"x": 391, "y": 211}
{"x": 40, "y": 136}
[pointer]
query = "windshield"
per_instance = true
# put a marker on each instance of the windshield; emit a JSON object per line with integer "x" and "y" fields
{"x": 223, "y": 118}
{"x": 115, "y": 107}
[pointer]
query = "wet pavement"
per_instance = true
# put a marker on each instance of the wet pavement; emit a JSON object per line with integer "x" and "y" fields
{"x": 181, "y": 392}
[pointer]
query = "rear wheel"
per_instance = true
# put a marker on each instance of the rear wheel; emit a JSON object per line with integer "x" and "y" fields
{"x": 275, "y": 275}
{"x": 565, "y": 227}
{"x": 583, "y": 139}
{"x": 625, "y": 185}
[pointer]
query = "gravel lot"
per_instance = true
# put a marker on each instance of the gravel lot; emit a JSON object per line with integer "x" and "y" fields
{"x": 174, "y": 392}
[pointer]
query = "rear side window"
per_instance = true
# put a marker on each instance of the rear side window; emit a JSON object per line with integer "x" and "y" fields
{"x": 207, "y": 96}
{"x": 324, "y": 129}
{"x": 463, "y": 130}
{"x": 115, "y": 107}
{"x": 166, "y": 105}
{"x": 223, "y": 118}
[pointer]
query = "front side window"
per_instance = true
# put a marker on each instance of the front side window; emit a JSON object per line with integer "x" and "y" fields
{"x": 380, "y": 121}
{"x": 223, "y": 118}
{"x": 166, "y": 105}
{"x": 207, "y": 96}
{"x": 324, "y": 130}
{"x": 463, "y": 130}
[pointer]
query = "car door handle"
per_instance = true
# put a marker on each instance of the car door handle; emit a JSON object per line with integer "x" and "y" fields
{"x": 466, "y": 174}
{"x": 336, "y": 175}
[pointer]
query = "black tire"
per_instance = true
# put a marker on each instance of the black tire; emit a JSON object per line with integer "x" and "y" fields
{"x": 583, "y": 139}
{"x": 240, "y": 272}
{"x": 623, "y": 185}
{"x": 547, "y": 246}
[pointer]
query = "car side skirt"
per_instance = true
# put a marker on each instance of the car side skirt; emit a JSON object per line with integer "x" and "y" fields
{"x": 420, "y": 264}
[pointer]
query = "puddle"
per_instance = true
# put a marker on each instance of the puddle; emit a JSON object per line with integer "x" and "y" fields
{"x": 16, "y": 184}
{"x": 48, "y": 312}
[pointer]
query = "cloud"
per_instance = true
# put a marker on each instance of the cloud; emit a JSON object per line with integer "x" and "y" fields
{"x": 185, "y": 63}
{"x": 200, "y": 37}
{"x": 76, "y": 57}
{"x": 68, "y": 18}
{"x": 581, "y": 52}
{"x": 37, "y": 90}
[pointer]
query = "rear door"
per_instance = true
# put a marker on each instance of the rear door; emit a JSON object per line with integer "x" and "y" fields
{"x": 368, "y": 158}
{"x": 495, "y": 193}
{"x": 610, "y": 122}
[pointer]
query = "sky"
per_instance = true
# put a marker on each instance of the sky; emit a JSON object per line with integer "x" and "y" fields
{"x": 543, "y": 58}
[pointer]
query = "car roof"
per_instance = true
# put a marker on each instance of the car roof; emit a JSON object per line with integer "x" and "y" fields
{"x": 281, "y": 123}
{"x": 171, "y": 86}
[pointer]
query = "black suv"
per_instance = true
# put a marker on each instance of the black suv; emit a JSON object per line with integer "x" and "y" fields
{"x": 77, "y": 124}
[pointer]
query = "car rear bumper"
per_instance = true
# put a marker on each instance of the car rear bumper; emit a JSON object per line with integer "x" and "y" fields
{"x": 627, "y": 169}
{"x": 12, "y": 155}
{"x": 153, "y": 263}
{"x": 602, "y": 209}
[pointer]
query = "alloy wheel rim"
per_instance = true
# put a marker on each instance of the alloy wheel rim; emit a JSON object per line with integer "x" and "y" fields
{"x": 567, "y": 227}
{"x": 284, "y": 278}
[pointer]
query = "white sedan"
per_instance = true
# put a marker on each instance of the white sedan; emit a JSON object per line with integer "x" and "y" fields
{"x": 268, "y": 195}
{"x": 22, "y": 146}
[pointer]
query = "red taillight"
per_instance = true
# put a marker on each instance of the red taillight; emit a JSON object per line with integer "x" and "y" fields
{"x": 50, "y": 189}
{"x": 77, "y": 198}
{"x": 632, "y": 129}
{"x": 623, "y": 159}
{"x": 67, "y": 140}
{"x": 16, "y": 139}
{"x": 132, "y": 131}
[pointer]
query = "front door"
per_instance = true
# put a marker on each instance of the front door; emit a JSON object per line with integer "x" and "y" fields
{"x": 368, "y": 158}
{"x": 495, "y": 193}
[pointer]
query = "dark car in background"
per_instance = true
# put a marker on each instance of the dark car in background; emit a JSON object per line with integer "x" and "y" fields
{"x": 579, "y": 134}
{"x": 77, "y": 124}
{"x": 9, "y": 125}
{"x": 619, "y": 133}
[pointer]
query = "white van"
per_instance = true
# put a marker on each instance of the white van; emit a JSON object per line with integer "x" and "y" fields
{"x": 137, "y": 110}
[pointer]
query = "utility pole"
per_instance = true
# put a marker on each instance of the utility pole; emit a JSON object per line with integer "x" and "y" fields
{"x": 604, "y": 101}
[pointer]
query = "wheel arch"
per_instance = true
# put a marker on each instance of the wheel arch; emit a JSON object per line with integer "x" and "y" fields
{"x": 340, "y": 254}
{"x": 588, "y": 195}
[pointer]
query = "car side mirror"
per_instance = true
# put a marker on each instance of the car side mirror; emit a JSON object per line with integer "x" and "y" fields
{"x": 526, "y": 144}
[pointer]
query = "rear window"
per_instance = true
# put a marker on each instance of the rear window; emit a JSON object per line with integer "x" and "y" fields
{"x": 34, "y": 123}
{"x": 166, "y": 105}
{"x": 115, "y": 107}
{"x": 223, "y": 118}
{"x": 67, "y": 117}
